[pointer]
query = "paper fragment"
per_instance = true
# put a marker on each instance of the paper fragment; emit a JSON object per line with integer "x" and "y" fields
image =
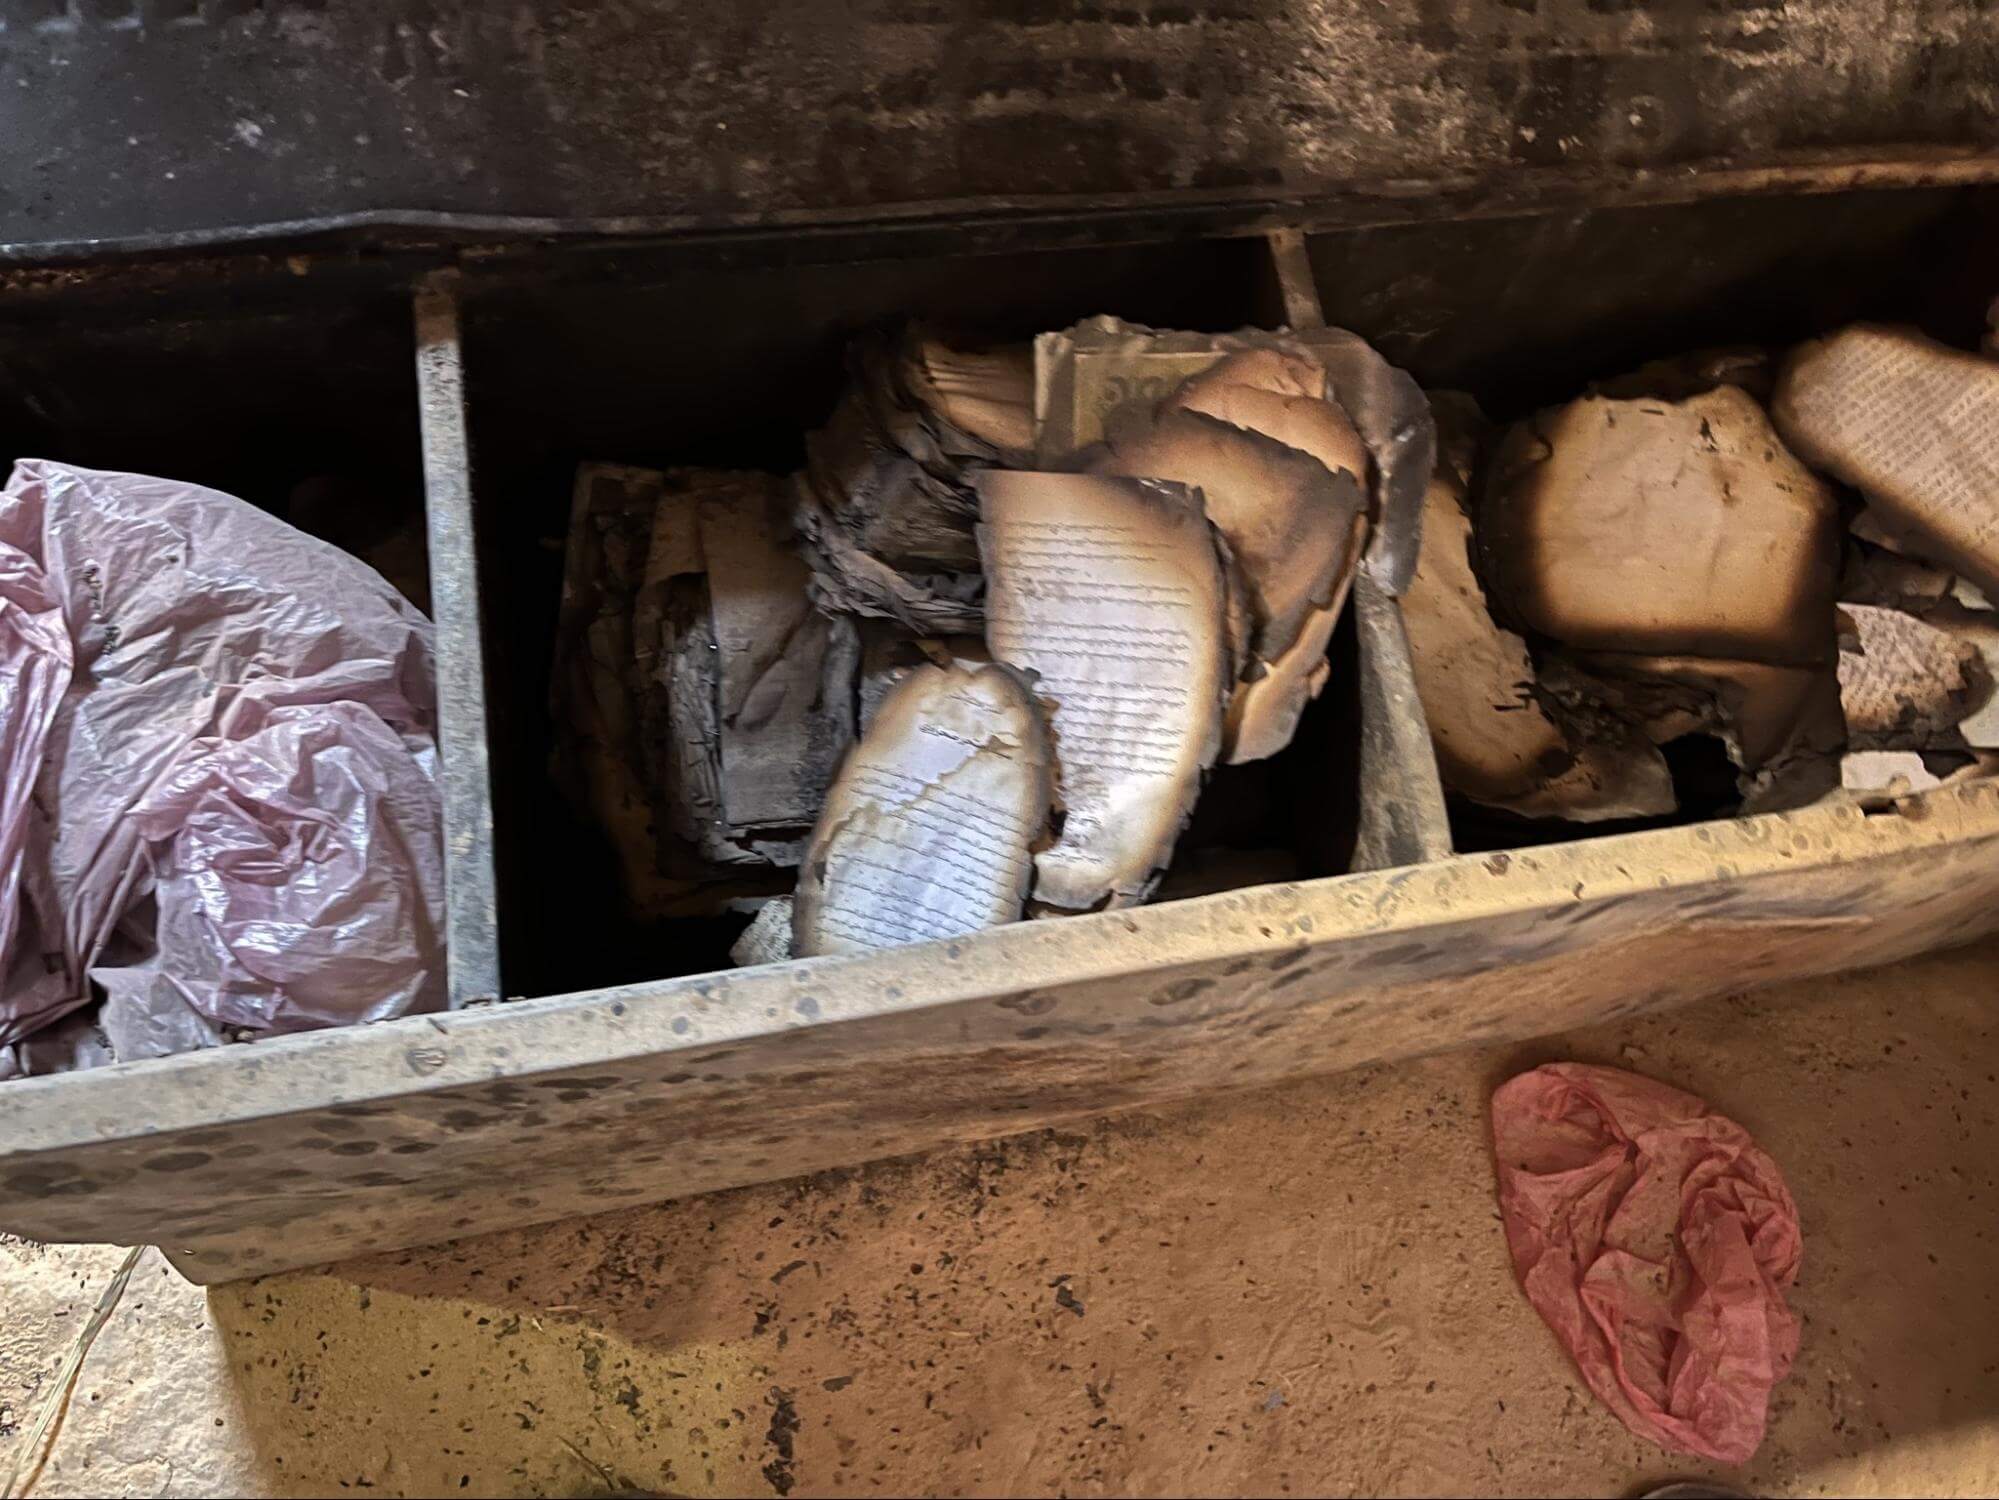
{"x": 930, "y": 829}
{"x": 1669, "y": 528}
{"x": 1876, "y": 777}
{"x": 1111, "y": 592}
{"x": 1881, "y": 778}
{"x": 1498, "y": 739}
{"x": 1904, "y": 684}
{"x": 1913, "y": 424}
{"x": 767, "y": 940}
{"x": 1941, "y": 601}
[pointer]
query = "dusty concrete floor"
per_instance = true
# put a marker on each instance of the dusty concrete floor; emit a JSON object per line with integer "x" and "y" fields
{"x": 1297, "y": 1291}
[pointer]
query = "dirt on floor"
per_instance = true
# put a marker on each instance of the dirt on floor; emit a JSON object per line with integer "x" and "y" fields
{"x": 1298, "y": 1291}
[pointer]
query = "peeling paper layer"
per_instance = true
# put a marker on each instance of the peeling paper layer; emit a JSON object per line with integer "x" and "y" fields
{"x": 928, "y": 833}
{"x": 1110, "y": 592}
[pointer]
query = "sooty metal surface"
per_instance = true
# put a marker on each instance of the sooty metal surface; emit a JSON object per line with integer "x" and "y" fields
{"x": 157, "y": 122}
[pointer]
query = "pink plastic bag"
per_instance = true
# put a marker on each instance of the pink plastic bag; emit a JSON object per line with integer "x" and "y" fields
{"x": 35, "y": 666}
{"x": 239, "y": 823}
{"x": 1657, "y": 1240}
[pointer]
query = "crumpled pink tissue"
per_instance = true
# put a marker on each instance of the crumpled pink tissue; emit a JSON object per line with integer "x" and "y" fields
{"x": 1657, "y": 1241}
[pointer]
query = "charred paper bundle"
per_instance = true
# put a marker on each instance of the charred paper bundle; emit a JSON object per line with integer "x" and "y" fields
{"x": 1051, "y": 596}
{"x": 1670, "y": 564}
{"x": 1684, "y": 564}
{"x": 885, "y": 505}
{"x": 704, "y": 702}
{"x": 1296, "y": 443}
{"x": 1506, "y": 737}
{"x": 1674, "y": 567}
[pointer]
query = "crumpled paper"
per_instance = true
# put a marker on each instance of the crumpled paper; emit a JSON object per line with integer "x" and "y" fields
{"x": 232, "y": 815}
{"x": 1657, "y": 1240}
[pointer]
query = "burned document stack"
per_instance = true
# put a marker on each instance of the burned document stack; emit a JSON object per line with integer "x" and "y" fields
{"x": 702, "y": 702}
{"x": 976, "y": 662}
{"x": 1669, "y": 557}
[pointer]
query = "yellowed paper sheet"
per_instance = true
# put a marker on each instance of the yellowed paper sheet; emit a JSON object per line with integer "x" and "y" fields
{"x": 1913, "y": 423}
{"x": 929, "y": 831}
{"x": 1109, "y": 591}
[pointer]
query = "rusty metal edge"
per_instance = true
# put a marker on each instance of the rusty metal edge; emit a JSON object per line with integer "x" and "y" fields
{"x": 473, "y": 959}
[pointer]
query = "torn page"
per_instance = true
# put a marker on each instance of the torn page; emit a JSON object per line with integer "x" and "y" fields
{"x": 1288, "y": 521}
{"x": 1941, "y": 601}
{"x": 1268, "y": 392}
{"x": 1111, "y": 592}
{"x": 1498, "y": 739}
{"x": 1662, "y": 528}
{"x": 929, "y": 831}
{"x": 1913, "y": 424}
{"x": 1904, "y": 684}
